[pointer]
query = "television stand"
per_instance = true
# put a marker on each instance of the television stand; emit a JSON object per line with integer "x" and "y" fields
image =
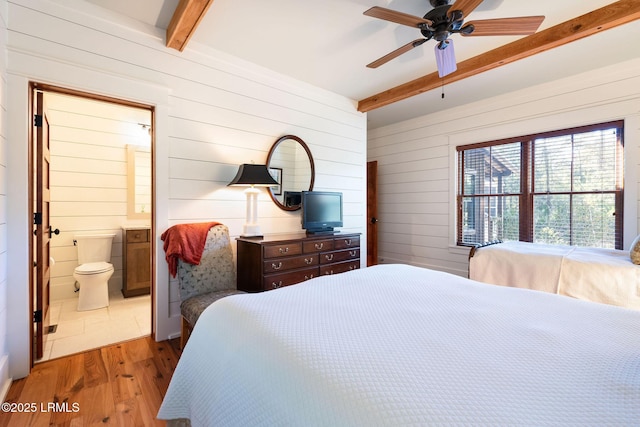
{"x": 324, "y": 232}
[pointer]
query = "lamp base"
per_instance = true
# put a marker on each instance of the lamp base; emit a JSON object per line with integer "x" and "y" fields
{"x": 251, "y": 230}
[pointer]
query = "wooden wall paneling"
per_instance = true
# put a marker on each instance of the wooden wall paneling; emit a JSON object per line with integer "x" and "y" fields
{"x": 89, "y": 175}
{"x": 209, "y": 85}
{"x": 598, "y": 96}
{"x": 189, "y": 189}
{"x": 220, "y": 112}
{"x": 218, "y": 151}
{"x": 87, "y": 149}
{"x": 68, "y": 194}
{"x": 293, "y": 110}
{"x": 94, "y": 209}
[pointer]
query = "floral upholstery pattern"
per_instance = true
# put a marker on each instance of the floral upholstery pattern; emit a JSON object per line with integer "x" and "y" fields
{"x": 216, "y": 270}
{"x": 214, "y": 278}
{"x": 193, "y": 307}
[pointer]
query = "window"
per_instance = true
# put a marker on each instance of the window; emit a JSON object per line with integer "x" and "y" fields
{"x": 562, "y": 187}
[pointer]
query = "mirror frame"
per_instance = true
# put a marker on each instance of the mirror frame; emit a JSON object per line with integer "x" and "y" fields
{"x": 131, "y": 183}
{"x": 313, "y": 169}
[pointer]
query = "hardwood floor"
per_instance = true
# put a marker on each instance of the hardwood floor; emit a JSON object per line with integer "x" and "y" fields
{"x": 120, "y": 385}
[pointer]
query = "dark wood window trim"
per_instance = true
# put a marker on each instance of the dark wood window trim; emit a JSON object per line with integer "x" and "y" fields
{"x": 527, "y": 191}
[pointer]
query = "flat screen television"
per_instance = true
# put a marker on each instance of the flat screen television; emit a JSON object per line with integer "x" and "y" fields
{"x": 321, "y": 211}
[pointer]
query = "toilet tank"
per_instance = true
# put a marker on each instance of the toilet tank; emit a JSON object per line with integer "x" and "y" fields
{"x": 94, "y": 247}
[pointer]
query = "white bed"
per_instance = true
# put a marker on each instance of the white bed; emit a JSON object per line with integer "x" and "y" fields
{"x": 600, "y": 275}
{"x": 398, "y": 345}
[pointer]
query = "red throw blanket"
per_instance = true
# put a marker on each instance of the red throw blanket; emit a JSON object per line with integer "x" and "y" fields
{"x": 185, "y": 242}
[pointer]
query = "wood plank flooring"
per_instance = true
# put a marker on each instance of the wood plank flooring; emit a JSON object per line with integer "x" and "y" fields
{"x": 119, "y": 385}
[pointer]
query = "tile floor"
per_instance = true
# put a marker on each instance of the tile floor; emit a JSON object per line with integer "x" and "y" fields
{"x": 123, "y": 319}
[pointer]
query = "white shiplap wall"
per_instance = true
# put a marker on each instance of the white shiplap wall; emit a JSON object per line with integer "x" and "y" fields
{"x": 416, "y": 158}
{"x": 88, "y": 140}
{"x": 4, "y": 355}
{"x": 213, "y": 112}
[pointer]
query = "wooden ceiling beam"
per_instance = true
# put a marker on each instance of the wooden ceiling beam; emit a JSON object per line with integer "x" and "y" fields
{"x": 611, "y": 16}
{"x": 184, "y": 22}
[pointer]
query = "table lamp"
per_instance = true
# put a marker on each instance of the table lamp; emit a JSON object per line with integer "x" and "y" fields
{"x": 250, "y": 175}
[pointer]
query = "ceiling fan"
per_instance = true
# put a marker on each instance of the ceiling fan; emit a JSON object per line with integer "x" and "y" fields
{"x": 444, "y": 20}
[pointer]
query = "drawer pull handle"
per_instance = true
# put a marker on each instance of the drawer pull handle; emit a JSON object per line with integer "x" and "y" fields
{"x": 284, "y": 250}
{"x": 276, "y": 285}
{"x": 352, "y": 267}
{"x": 329, "y": 257}
{"x": 319, "y": 245}
{"x": 308, "y": 260}
{"x": 276, "y": 266}
{"x": 353, "y": 253}
{"x": 308, "y": 277}
{"x": 347, "y": 242}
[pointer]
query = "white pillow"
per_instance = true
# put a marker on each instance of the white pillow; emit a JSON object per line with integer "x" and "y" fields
{"x": 634, "y": 251}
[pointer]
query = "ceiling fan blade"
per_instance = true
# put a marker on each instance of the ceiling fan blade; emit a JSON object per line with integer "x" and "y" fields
{"x": 519, "y": 26}
{"x": 465, "y": 6}
{"x": 398, "y": 17}
{"x": 389, "y": 56}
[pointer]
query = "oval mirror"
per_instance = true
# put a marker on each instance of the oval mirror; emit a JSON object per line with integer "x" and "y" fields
{"x": 291, "y": 164}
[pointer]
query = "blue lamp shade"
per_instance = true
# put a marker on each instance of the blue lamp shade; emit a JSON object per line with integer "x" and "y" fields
{"x": 445, "y": 58}
{"x": 253, "y": 175}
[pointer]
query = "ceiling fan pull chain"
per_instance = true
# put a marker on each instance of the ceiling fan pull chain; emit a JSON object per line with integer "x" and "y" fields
{"x": 442, "y": 88}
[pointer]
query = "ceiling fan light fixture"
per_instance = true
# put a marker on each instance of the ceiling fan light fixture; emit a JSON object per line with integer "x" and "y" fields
{"x": 445, "y": 58}
{"x": 446, "y": 19}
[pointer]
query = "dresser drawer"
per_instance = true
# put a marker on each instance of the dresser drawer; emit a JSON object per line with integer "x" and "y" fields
{"x": 137, "y": 236}
{"x": 278, "y": 280}
{"x": 271, "y": 262}
{"x": 290, "y": 263}
{"x": 346, "y": 242}
{"x": 317, "y": 245}
{"x": 340, "y": 267}
{"x": 285, "y": 249}
{"x": 339, "y": 256}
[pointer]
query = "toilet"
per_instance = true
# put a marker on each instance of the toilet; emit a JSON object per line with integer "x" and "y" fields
{"x": 94, "y": 271}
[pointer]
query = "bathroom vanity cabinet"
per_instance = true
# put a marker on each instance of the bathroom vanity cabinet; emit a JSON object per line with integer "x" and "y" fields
{"x": 136, "y": 262}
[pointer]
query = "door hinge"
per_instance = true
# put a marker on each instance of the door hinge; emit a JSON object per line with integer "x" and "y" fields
{"x": 37, "y": 120}
{"x": 37, "y": 218}
{"x": 37, "y": 316}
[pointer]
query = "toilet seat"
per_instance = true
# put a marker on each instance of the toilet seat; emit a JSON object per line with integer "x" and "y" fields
{"x": 93, "y": 268}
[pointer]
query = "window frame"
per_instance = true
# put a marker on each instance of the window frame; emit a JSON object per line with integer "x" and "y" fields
{"x": 527, "y": 170}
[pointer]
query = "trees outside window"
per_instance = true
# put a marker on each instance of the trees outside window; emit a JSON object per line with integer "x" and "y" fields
{"x": 563, "y": 187}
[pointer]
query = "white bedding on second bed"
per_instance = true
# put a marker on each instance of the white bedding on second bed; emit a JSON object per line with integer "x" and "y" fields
{"x": 400, "y": 345}
{"x": 595, "y": 274}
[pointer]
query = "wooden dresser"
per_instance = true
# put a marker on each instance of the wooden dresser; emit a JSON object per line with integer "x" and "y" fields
{"x": 136, "y": 262}
{"x": 272, "y": 262}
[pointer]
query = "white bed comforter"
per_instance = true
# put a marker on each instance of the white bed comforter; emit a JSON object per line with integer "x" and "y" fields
{"x": 395, "y": 345}
{"x": 600, "y": 275}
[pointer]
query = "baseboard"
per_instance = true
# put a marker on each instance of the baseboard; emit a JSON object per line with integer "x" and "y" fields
{"x": 5, "y": 381}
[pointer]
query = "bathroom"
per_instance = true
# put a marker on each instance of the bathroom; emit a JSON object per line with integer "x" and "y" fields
{"x": 100, "y": 185}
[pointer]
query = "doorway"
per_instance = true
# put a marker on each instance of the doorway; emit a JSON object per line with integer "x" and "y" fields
{"x": 372, "y": 213}
{"x": 101, "y": 179}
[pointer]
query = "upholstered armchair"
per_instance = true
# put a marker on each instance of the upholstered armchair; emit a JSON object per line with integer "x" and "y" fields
{"x": 202, "y": 285}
